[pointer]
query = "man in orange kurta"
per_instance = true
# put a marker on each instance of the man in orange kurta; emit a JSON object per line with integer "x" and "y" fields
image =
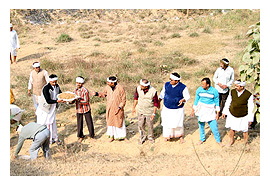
{"x": 116, "y": 101}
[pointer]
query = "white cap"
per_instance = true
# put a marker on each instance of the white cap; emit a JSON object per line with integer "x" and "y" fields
{"x": 144, "y": 84}
{"x": 36, "y": 64}
{"x": 242, "y": 84}
{"x": 11, "y": 25}
{"x": 79, "y": 80}
{"x": 173, "y": 77}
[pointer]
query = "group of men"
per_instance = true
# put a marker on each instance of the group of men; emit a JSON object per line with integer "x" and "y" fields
{"x": 210, "y": 103}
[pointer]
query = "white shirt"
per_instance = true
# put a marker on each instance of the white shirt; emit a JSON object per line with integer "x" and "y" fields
{"x": 14, "y": 40}
{"x": 250, "y": 105}
{"x": 185, "y": 93}
{"x": 225, "y": 77}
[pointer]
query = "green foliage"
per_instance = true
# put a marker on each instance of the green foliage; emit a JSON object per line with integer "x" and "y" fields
{"x": 63, "y": 38}
{"x": 250, "y": 70}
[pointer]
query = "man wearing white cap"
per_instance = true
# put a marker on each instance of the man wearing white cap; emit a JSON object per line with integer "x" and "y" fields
{"x": 223, "y": 79}
{"x": 147, "y": 100}
{"x": 46, "y": 109}
{"x": 83, "y": 108}
{"x": 239, "y": 110}
{"x": 14, "y": 44}
{"x": 175, "y": 95}
{"x": 116, "y": 101}
{"x": 38, "y": 78}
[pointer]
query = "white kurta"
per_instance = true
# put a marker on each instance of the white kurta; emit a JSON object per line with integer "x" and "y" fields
{"x": 225, "y": 77}
{"x": 172, "y": 120}
{"x": 238, "y": 124}
{"x": 14, "y": 43}
{"x": 48, "y": 119}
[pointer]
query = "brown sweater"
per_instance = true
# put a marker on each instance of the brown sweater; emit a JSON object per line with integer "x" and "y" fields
{"x": 239, "y": 105}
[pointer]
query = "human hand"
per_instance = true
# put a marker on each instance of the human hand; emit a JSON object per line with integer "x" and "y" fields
{"x": 92, "y": 93}
{"x": 223, "y": 116}
{"x": 29, "y": 92}
{"x": 133, "y": 111}
{"x": 192, "y": 113}
{"x": 152, "y": 117}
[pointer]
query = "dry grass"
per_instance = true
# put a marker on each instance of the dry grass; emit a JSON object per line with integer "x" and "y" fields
{"x": 132, "y": 49}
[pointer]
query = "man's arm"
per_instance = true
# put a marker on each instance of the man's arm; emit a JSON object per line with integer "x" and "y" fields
{"x": 19, "y": 146}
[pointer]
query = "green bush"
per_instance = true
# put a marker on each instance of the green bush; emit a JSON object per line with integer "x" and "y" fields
{"x": 63, "y": 38}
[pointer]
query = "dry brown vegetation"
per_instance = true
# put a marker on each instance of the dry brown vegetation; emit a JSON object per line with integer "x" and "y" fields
{"x": 131, "y": 44}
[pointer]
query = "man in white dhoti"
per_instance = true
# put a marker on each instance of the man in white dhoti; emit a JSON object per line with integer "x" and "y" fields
{"x": 175, "y": 95}
{"x": 14, "y": 44}
{"x": 239, "y": 110}
{"x": 46, "y": 109}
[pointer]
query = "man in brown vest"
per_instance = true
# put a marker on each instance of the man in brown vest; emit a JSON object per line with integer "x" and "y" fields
{"x": 38, "y": 78}
{"x": 147, "y": 100}
{"x": 238, "y": 108}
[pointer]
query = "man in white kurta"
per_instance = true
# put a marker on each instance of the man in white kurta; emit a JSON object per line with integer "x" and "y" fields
{"x": 46, "y": 109}
{"x": 223, "y": 79}
{"x": 175, "y": 95}
{"x": 14, "y": 44}
{"x": 239, "y": 110}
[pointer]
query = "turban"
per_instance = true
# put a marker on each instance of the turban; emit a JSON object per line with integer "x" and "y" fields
{"x": 79, "y": 80}
{"x": 242, "y": 84}
{"x": 36, "y": 64}
{"x": 11, "y": 25}
{"x": 173, "y": 77}
{"x": 224, "y": 60}
{"x": 111, "y": 81}
{"x": 144, "y": 84}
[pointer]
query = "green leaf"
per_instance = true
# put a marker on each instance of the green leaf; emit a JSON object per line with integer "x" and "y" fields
{"x": 258, "y": 117}
{"x": 243, "y": 68}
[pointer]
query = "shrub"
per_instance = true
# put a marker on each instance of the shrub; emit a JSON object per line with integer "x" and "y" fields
{"x": 175, "y": 35}
{"x": 63, "y": 38}
{"x": 194, "y": 34}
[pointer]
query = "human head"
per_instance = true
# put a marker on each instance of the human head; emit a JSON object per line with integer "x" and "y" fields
{"x": 144, "y": 83}
{"x": 36, "y": 66}
{"x": 239, "y": 85}
{"x": 206, "y": 83}
{"x": 174, "y": 78}
{"x": 53, "y": 79}
{"x": 111, "y": 81}
{"x": 11, "y": 27}
{"x": 224, "y": 63}
{"x": 79, "y": 81}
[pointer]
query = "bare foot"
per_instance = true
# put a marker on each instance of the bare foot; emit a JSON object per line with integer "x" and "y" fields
{"x": 221, "y": 144}
{"x": 200, "y": 142}
{"x": 93, "y": 139}
{"x": 229, "y": 144}
{"x": 126, "y": 140}
{"x": 80, "y": 140}
{"x": 110, "y": 140}
{"x": 247, "y": 147}
{"x": 181, "y": 140}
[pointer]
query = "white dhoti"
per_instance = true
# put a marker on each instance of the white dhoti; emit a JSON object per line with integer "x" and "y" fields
{"x": 172, "y": 121}
{"x": 48, "y": 119}
{"x": 13, "y": 51}
{"x": 205, "y": 112}
{"x": 237, "y": 124}
{"x": 117, "y": 133}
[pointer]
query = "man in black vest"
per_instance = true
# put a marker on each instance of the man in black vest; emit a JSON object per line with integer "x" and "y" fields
{"x": 238, "y": 108}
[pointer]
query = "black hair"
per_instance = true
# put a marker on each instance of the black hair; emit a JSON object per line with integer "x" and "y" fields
{"x": 113, "y": 78}
{"x": 207, "y": 80}
{"x": 52, "y": 76}
{"x": 176, "y": 74}
{"x": 224, "y": 59}
{"x": 145, "y": 80}
{"x": 81, "y": 77}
